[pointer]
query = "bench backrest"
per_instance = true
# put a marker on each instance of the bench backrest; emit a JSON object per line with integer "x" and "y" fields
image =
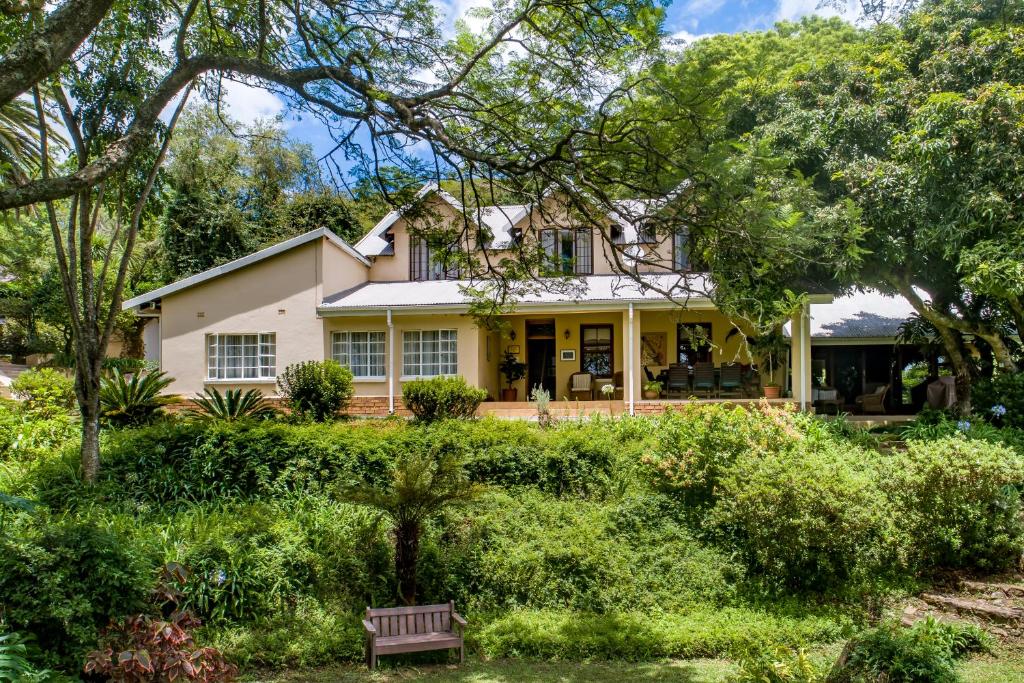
{"x": 401, "y": 621}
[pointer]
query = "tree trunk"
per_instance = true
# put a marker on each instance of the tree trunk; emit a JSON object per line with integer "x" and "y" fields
{"x": 407, "y": 549}
{"x": 88, "y": 368}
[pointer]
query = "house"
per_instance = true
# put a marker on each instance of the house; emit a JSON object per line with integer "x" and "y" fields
{"x": 391, "y": 310}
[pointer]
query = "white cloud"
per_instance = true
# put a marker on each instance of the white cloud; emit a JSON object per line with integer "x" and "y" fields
{"x": 789, "y": 10}
{"x": 453, "y": 10}
{"x": 246, "y": 103}
{"x": 683, "y": 39}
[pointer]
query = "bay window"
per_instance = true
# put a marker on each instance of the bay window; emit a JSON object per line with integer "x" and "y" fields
{"x": 361, "y": 352}
{"x": 241, "y": 356}
{"x": 428, "y": 353}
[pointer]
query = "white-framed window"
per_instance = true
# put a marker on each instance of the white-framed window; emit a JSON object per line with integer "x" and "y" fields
{"x": 362, "y": 352}
{"x": 241, "y": 356}
{"x": 428, "y": 353}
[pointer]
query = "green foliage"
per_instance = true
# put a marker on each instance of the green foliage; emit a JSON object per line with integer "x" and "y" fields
{"x": 959, "y": 500}
{"x": 440, "y": 398}
{"x": 316, "y": 390}
{"x": 1006, "y": 390}
{"x": 570, "y": 635}
{"x": 26, "y": 435}
{"x": 45, "y": 391}
{"x": 806, "y": 518}
{"x": 783, "y": 666}
{"x": 232, "y": 406}
{"x": 697, "y": 444}
{"x": 13, "y": 665}
{"x": 62, "y": 580}
{"x": 925, "y": 653}
{"x": 134, "y": 401}
{"x": 511, "y": 368}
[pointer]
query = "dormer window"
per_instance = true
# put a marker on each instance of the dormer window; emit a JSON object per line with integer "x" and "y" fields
{"x": 426, "y": 264}
{"x": 569, "y": 251}
{"x": 646, "y": 234}
{"x": 682, "y": 256}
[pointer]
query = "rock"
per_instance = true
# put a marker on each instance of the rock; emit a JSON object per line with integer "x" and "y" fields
{"x": 977, "y": 608}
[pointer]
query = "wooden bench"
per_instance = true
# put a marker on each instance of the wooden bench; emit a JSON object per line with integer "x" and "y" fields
{"x": 391, "y": 630}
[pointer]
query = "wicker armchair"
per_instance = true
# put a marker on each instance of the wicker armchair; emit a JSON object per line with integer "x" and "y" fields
{"x": 581, "y": 384}
{"x": 873, "y": 402}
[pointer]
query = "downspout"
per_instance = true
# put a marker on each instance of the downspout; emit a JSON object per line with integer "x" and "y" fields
{"x": 391, "y": 365}
{"x": 631, "y": 363}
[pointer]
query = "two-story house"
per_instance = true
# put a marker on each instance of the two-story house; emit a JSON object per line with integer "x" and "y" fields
{"x": 391, "y": 310}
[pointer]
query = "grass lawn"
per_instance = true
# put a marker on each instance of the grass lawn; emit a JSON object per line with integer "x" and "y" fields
{"x": 514, "y": 670}
{"x": 1005, "y": 667}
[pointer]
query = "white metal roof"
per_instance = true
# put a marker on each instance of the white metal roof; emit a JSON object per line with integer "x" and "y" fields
{"x": 861, "y": 315}
{"x": 591, "y": 289}
{"x": 230, "y": 266}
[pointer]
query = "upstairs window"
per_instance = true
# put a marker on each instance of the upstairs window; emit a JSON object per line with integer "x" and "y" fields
{"x": 426, "y": 264}
{"x": 569, "y": 251}
{"x": 682, "y": 259}
{"x": 241, "y": 356}
{"x": 362, "y": 352}
{"x": 646, "y": 233}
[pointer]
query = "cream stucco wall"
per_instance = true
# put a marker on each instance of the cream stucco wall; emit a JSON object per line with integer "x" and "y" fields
{"x": 279, "y": 295}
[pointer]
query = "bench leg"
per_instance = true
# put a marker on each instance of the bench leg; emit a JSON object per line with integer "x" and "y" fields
{"x": 462, "y": 653}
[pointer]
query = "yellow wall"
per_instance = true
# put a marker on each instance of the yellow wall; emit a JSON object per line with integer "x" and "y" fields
{"x": 470, "y": 341}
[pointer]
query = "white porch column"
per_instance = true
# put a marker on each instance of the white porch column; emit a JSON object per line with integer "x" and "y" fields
{"x": 391, "y": 365}
{"x": 630, "y": 375}
{"x": 800, "y": 357}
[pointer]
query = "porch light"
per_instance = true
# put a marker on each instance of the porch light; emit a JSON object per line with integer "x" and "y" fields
{"x": 567, "y": 333}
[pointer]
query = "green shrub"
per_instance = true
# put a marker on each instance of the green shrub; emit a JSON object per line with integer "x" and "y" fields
{"x": 133, "y": 401}
{"x": 535, "y": 551}
{"x": 62, "y": 580}
{"x": 570, "y": 635}
{"x": 806, "y": 519}
{"x": 441, "y": 398}
{"x": 927, "y": 652}
{"x": 1005, "y": 390}
{"x": 25, "y": 435}
{"x": 234, "y": 405}
{"x": 45, "y": 391}
{"x": 316, "y": 390}
{"x": 697, "y": 444}
{"x": 958, "y": 499}
{"x": 782, "y": 666}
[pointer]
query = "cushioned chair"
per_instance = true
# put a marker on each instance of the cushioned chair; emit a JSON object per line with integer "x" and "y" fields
{"x": 731, "y": 381}
{"x": 620, "y": 385}
{"x": 704, "y": 378}
{"x": 678, "y": 381}
{"x": 581, "y": 384}
{"x": 873, "y": 402}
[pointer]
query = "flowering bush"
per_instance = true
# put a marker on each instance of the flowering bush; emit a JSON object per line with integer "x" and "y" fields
{"x": 1001, "y": 399}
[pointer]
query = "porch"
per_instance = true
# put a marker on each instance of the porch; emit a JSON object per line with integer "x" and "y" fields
{"x": 524, "y": 410}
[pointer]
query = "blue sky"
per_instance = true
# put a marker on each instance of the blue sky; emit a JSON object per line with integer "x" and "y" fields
{"x": 685, "y": 19}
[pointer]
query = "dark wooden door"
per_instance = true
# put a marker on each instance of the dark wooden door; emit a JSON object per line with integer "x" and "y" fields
{"x": 540, "y": 361}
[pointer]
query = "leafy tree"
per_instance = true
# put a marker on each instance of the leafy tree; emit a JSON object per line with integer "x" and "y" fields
{"x": 421, "y": 484}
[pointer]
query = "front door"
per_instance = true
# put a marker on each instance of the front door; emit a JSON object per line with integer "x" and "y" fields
{"x": 540, "y": 356}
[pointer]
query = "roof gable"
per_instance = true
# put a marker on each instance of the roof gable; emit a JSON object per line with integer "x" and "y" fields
{"x": 237, "y": 264}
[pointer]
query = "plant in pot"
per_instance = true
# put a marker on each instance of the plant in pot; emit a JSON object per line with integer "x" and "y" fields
{"x": 767, "y": 351}
{"x": 513, "y": 370}
{"x": 652, "y": 389}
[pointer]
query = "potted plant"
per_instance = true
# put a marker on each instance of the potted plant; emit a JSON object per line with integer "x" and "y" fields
{"x": 513, "y": 371}
{"x": 652, "y": 389}
{"x": 767, "y": 349}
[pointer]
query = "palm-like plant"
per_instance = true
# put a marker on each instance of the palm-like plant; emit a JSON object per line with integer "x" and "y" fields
{"x": 19, "y": 141}
{"x": 232, "y": 406}
{"x": 132, "y": 401}
{"x": 422, "y": 484}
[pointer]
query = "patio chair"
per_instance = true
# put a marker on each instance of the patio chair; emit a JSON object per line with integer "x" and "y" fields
{"x": 873, "y": 402}
{"x": 704, "y": 378}
{"x": 678, "y": 381}
{"x": 581, "y": 383}
{"x": 731, "y": 381}
{"x": 620, "y": 385}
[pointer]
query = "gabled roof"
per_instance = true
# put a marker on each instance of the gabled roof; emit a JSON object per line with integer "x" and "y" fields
{"x": 230, "y": 266}
{"x": 373, "y": 242}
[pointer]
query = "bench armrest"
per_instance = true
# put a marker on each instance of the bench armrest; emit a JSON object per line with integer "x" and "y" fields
{"x": 369, "y": 628}
{"x": 458, "y": 620}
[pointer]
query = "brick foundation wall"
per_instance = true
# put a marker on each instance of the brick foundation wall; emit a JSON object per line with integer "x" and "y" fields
{"x": 374, "y": 406}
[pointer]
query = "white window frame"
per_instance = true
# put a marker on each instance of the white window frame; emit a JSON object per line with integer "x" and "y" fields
{"x": 221, "y": 347}
{"x": 342, "y": 351}
{"x": 413, "y": 351}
